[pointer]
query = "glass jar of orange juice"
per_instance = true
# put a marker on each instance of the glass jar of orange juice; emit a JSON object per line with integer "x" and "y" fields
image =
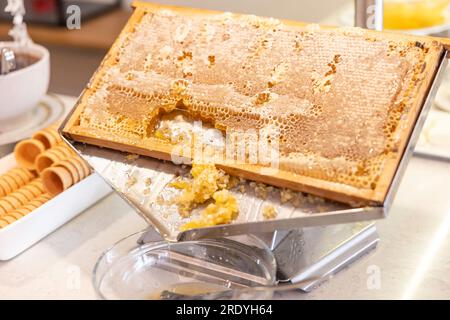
{"x": 414, "y": 14}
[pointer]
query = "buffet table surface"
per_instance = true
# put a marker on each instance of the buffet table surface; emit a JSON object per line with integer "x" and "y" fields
{"x": 412, "y": 259}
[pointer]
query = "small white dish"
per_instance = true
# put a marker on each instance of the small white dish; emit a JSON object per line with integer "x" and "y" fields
{"x": 23, "y": 233}
{"x": 48, "y": 110}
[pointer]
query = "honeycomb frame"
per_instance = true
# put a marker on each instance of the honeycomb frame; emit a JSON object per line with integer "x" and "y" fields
{"x": 352, "y": 194}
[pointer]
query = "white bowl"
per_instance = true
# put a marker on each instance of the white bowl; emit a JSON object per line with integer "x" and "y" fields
{"x": 21, "y": 90}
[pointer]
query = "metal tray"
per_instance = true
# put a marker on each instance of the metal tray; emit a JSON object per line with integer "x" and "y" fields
{"x": 117, "y": 167}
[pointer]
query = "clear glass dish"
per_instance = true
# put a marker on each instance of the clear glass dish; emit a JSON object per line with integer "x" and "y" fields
{"x": 156, "y": 270}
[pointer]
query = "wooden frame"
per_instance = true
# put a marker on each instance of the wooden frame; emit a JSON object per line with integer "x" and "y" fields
{"x": 331, "y": 190}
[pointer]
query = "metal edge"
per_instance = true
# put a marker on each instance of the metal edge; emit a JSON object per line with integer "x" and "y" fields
{"x": 348, "y": 252}
{"x": 414, "y": 136}
{"x": 319, "y": 219}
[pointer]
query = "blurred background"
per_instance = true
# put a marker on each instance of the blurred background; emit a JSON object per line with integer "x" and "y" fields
{"x": 75, "y": 54}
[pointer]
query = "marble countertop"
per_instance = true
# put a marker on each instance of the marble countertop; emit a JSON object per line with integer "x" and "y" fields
{"x": 412, "y": 259}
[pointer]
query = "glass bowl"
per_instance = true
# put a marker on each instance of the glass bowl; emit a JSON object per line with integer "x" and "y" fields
{"x": 155, "y": 270}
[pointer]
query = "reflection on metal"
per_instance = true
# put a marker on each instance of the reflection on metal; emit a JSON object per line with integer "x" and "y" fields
{"x": 310, "y": 256}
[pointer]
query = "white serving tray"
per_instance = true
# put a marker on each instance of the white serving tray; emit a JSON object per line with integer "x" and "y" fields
{"x": 23, "y": 233}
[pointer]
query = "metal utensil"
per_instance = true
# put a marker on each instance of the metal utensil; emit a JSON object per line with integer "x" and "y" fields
{"x": 8, "y": 61}
{"x": 234, "y": 293}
